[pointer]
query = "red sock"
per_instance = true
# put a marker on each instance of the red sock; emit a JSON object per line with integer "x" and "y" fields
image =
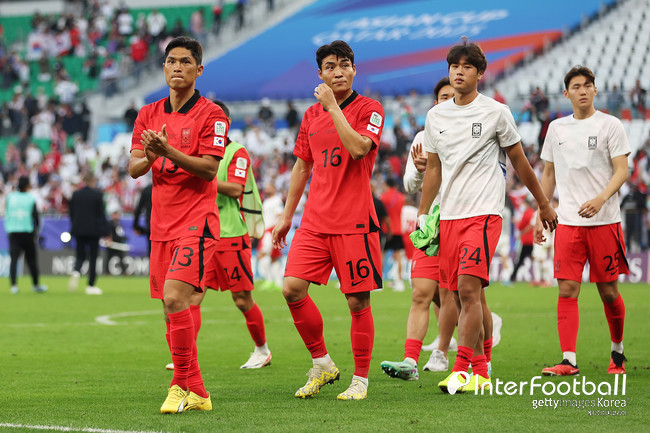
{"x": 362, "y": 335}
{"x": 568, "y": 321}
{"x": 309, "y": 323}
{"x": 196, "y": 318}
{"x": 412, "y": 349}
{"x": 255, "y": 324}
{"x": 182, "y": 345}
{"x": 463, "y": 358}
{"x": 479, "y": 365}
{"x": 194, "y": 378}
{"x": 487, "y": 349}
{"x": 615, "y": 313}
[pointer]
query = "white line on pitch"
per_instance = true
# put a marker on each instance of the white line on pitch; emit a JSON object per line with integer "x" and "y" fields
{"x": 71, "y": 429}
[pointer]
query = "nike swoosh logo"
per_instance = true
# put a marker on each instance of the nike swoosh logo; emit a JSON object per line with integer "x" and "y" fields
{"x": 313, "y": 133}
{"x": 175, "y": 269}
{"x": 560, "y": 143}
{"x": 442, "y": 130}
{"x": 357, "y": 283}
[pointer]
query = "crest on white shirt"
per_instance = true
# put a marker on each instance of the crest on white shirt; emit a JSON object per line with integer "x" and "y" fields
{"x": 593, "y": 142}
{"x": 476, "y": 130}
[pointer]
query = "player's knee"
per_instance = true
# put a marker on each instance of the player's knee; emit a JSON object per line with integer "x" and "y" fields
{"x": 243, "y": 300}
{"x": 421, "y": 298}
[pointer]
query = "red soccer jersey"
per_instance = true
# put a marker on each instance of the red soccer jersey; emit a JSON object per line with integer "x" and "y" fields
{"x": 340, "y": 200}
{"x": 393, "y": 201}
{"x": 183, "y": 204}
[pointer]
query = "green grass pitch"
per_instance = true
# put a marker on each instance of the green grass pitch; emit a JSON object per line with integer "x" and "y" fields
{"x": 74, "y": 362}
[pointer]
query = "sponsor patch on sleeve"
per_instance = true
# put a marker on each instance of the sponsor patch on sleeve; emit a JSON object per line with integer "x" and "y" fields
{"x": 373, "y": 129}
{"x": 219, "y": 141}
{"x": 240, "y": 173}
{"x": 376, "y": 118}
{"x": 241, "y": 163}
{"x": 219, "y": 128}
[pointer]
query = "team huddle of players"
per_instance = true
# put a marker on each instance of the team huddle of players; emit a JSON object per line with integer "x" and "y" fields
{"x": 199, "y": 239}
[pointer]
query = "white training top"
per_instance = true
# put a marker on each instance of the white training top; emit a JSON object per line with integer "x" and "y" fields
{"x": 412, "y": 177}
{"x": 582, "y": 151}
{"x": 469, "y": 139}
{"x": 272, "y": 209}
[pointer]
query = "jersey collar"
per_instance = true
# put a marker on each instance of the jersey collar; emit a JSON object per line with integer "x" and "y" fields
{"x": 348, "y": 101}
{"x": 187, "y": 106}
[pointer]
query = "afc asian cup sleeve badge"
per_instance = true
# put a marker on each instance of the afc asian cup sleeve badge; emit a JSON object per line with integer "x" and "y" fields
{"x": 220, "y": 128}
{"x": 376, "y": 119}
{"x": 241, "y": 163}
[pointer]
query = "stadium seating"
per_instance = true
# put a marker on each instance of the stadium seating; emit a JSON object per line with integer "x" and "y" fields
{"x": 615, "y": 47}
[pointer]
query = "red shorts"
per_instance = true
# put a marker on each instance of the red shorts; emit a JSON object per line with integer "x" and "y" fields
{"x": 182, "y": 259}
{"x": 423, "y": 266}
{"x": 355, "y": 257}
{"x": 230, "y": 270}
{"x": 603, "y": 246}
{"x": 466, "y": 248}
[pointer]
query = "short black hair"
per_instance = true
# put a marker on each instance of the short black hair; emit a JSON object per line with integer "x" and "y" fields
{"x": 471, "y": 52}
{"x": 442, "y": 83}
{"x": 340, "y": 49}
{"x": 23, "y": 183}
{"x": 191, "y": 44}
{"x": 579, "y": 70}
{"x": 223, "y": 106}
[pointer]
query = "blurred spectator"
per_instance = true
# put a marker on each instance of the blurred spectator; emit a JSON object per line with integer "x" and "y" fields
{"x": 637, "y": 98}
{"x": 124, "y": 22}
{"x": 615, "y": 102}
{"x": 88, "y": 224}
{"x": 156, "y": 24}
{"x": 497, "y": 96}
{"x": 197, "y": 25}
{"x": 143, "y": 208}
{"x": 130, "y": 115}
{"x": 22, "y": 226}
{"x": 42, "y": 123}
{"x": 266, "y": 117}
{"x": 217, "y": 10}
{"x": 293, "y": 122}
{"x": 108, "y": 76}
{"x": 546, "y": 121}
{"x": 539, "y": 103}
{"x": 91, "y": 65}
{"x": 139, "y": 52}
{"x": 116, "y": 241}
{"x": 634, "y": 207}
{"x": 240, "y": 11}
{"x": 393, "y": 201}
{"x": 66, "y": 90}
{"x": 177, "y": 30}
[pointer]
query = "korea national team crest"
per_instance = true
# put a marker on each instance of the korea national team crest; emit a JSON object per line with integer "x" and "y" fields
{"x": 185, "y": 135}
{"x": 593, "y": 142}
{"x": 476, "y": 130}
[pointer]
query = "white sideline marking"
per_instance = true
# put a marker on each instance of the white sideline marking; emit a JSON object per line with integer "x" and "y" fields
{"x": 72, "y": 429}
{"x": 106, "y": 319}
